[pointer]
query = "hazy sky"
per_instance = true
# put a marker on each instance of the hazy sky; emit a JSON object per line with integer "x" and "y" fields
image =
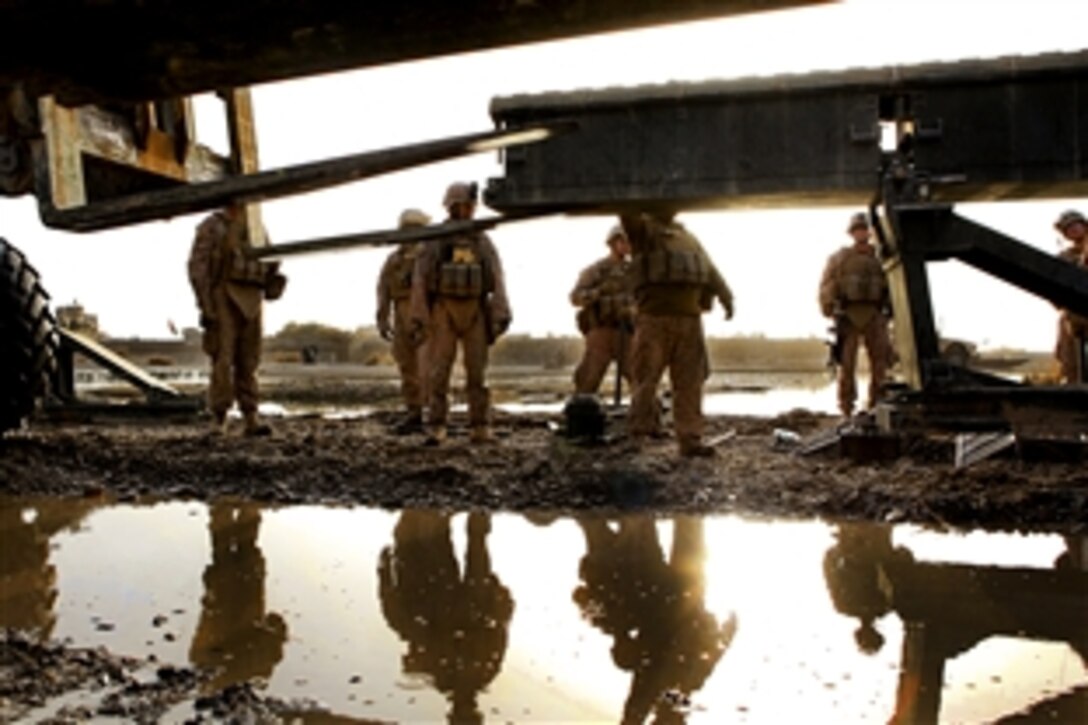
{"x": 134, "y": 278}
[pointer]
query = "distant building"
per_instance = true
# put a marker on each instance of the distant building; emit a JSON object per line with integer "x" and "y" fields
{"x": 73, "y": 317}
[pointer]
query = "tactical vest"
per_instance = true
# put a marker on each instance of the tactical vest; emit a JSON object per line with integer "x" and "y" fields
{"x": 614, "y": 297}
{"x": 462, "y": 271}
{"x": 229, "y": 262}
{"x": 1071, "y": 254}
{"x": 861, "y": 278}
{"x": 675, "y": 260}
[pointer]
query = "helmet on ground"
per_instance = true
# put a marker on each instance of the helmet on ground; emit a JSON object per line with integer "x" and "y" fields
{"x": 861, "y": 219}
{"x": 1068, "y": 218}
{"x": 413, "y": 218}
{"x": 460, "y": 192}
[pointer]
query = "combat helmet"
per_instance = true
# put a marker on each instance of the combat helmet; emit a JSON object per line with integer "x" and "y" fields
{"x": 1068, "y": 218}
{"x": 460, "y": 192}
{"x": 413, "y": 218}
{"x": 861, "y": 219}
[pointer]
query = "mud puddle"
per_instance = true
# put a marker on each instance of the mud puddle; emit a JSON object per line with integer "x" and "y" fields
{"x": 429, "y": 616}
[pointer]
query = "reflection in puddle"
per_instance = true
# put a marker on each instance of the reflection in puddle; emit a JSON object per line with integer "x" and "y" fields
{"x": 454, "y": 622}
{"x": 654, "y": 611}
{"x": 469, "y": 618}
{"x": 236, "y": 637}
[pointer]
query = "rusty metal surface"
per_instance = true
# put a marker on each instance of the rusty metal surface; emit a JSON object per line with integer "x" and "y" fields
{"x": 127, "y": 49}
{"x": 92, "y": 153}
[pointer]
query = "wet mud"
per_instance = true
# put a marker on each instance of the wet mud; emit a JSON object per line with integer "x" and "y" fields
{"x": 532, "y": 468}
{"x": 54, "y": 683}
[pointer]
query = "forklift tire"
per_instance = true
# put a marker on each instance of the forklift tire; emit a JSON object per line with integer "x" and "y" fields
{"x": 28, "y": 338}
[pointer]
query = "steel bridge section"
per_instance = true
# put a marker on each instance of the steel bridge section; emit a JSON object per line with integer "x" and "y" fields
{"x": 1008, "y": 128}
{"x": 906, "y": 142}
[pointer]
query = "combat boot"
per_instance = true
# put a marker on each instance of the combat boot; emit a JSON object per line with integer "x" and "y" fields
{"x": 481, "y": 434}
{"x": 436, "y": 436}
{"x": 219, "y": 424}
{"x": 695, "y": 448}
{"x": 254, "y": 427}
{"x": 411, "y": 423}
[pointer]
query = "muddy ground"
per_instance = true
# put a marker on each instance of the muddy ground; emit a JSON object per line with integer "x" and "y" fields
{"x": 53, "y": 683}
{"x": 533, "y": 468}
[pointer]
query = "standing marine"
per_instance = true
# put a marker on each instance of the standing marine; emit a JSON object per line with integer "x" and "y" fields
{"x": 674, "y": 283}
{"x": 606, "y": 314}
{"x": 393, "y": 320}
{"x": 854, "y": 293}
{"x": 230, "y": 290}
{"x": 1072, "y": 329}
{"x": 459, "y": 296}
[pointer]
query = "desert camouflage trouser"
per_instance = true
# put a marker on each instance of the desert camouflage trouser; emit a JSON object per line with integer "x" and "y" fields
{"x": 452, "y": 321}
{"x": 874, "y": 333}
{"x": 410, "y": 358}
{"x": 603, "y": 345}
{"x": 234, "y": 344}
{"x": 1070, "y": 339}
{"x": 676, "y": 343}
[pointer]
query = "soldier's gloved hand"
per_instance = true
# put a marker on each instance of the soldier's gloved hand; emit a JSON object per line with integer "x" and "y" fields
{"x": 499, "y": 326}
{"x": 206, "y": 321}
{"x": 385, "y": 329}
{"x": 728, "y": 309}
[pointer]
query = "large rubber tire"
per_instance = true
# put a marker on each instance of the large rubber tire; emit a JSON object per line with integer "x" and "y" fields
{"x": 28, "y": 338}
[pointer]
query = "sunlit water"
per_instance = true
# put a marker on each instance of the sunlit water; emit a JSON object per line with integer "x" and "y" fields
{"x": 728, "y": 393}
{"x": 757, "y": 394}
{"x": 424, "y": 616}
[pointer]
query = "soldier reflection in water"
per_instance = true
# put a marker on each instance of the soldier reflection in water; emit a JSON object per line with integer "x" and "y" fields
{"x": 854, "y": 569}
{"x": 455, "y": 624}
{"x": 235, "y": 637}
{"x": 27, "y": 580}
{"x": 654, "y": 610}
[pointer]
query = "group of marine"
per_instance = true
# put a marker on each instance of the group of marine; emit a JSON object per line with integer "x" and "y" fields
{"x": 640, "y": 307}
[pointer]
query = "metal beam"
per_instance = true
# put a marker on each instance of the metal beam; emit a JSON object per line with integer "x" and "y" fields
{"x": 242, "y": 130}
{"x": 151, "y": 386}
{"x": 385, "y": 238}
{"x": 1005, "y": 128}
{"x": 938, "y": 233}
{"x": 276, "y": 183}
{"x": 126, "y": 50}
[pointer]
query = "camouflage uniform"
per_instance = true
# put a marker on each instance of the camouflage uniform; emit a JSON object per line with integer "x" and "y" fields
{"x": 674, "y": 282}
{"x": 606, "y": 319}
{"x": 853, "y": 286}
{"x": 459, "y": 295}
{"x": 394, "y": 293}
{"x": 1072, "y": 329}
{"x": 230, "y": 289}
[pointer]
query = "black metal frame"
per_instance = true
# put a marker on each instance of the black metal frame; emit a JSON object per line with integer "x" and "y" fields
{"x": 1010, "y": 128}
